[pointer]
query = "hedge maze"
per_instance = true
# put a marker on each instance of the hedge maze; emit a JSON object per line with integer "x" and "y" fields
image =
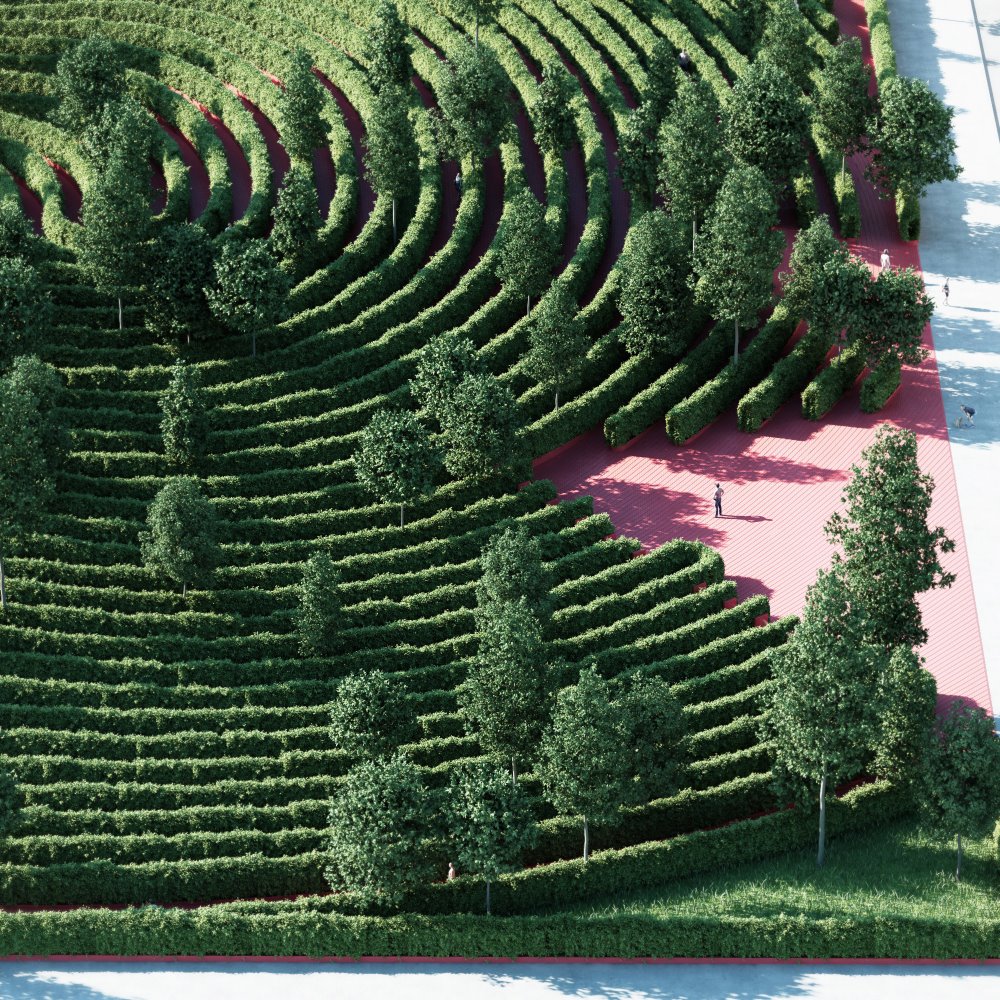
{"x": 175, "y": 747}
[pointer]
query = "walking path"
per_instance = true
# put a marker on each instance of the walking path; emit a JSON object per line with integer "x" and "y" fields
{"x": 955, "y": 46}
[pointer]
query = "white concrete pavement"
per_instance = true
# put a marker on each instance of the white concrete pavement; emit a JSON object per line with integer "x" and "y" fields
{"x": 955, "y": 46}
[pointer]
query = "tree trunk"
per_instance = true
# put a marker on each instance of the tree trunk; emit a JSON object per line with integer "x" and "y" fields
{"x": 958, "y": 867}
{"x": 121, "y": 322}
{"x": 488, "y": 910}
{"x": 401, "y": 515}
{"x": 253, "y": 343}
{"x": 184, "y": 590}
{"x": 477, "y": 30}
{"x": 395, "y": 235}
{"x": 736, "y": 341}
{"x": 694, "y": 232}
{"x": 586, "y": 839}
{"x": 843, "y": 163}
{"x": 527, "y": 312}
{"x": 3, "y": 587}
{"x": 557, "y": 399}
{"x": 821, "y": 853}
{"x": 513, "y": 770}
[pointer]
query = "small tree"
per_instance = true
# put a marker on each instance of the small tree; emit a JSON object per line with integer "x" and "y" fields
{"x": 489, "y": 820}
{"x": 892, "y": 323}
{"x": 559, "y": 345}
{"x": 303, "y": 127}
{"x": 734, "y": 261}
{"x": 638, "y": 153}
{"x": 653, "y": 295}
{"x": 583, "y": 769}
{"x": 525, "y": 248}
{"x": 912, "y": 139}
{"x": 396, "y": 460}
{"x": 661, "y": 80}
{"x": 371, "y": 717}
{"x": 890, "y": 555}
{"x": 482, "y": 428}
{"x": 512, "y": 570}
{"x": 318, "y": 614}
{"x": 843, "y": 106}
{"x": 88, "y": 76}
{"x": 181, "y": 268}
{"x": 441, "y": 366}
{"x": 476, "y": 11}
{"x": 552, "y": 111}
{"x": 822, "y": 719}
{"x": 907, "y": 699}
{"x": 250, "y": 292}
{"x": 17, "y": 238}
{"x": 185, "y": 420}
{"x": 380, "y": 819}
{"x": 11, "y": 801}
{"x": 839, "y": 295}
{"x": 42, "y": 384}
{"x": 386, "y": 50}
{"x": 959, "y": 792}
{"x": 785, "y": 42}
{"x": 25, "y": 309}
{"x": 768, "y": 122}
{"x": 180, "y": 537}
{"x": 123, "y": 128}
{"x": 391, "y": 149}
{"x": 296, "y": 217}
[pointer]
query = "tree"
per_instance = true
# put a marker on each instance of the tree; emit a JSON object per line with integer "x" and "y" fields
{"x": 185, "y": 421}
{"x": 890, "y": 555}
{"x": 87, "y": 77}
{"x": 385, "y": 49}
{"x": 42, "y": 384}
{"x": 482, "y": 428}
{"x": 843, "y": 106}
{"x": 371, "y": 717}
{"x": 181, "y": 267}
{"x": 661, "y": 80}
{"x": 525, "y": 248}
{"x": 906, "y": 696}
{"x": 391, "y": 149}
{"x": 552, "y": 111}
{"x": 250, "y": 290}
{"x": 11, "y": 801}
{"x": 303, "y": 127}
{"x": 583, "y": 769}
{"x": 653, "y": 294}
{"x": 17, "y": 238}
{"x": 559, "y": 345}
{"x": 638, "y": 153}
{"x": 180, "y": 537}
{"x": 506, "y": 698}
{"x": 693, "y": 161}
{"x": 512, "y": 571}
{"x": 822, "y": 716}
{"x": 755, "y": 14}
{"x": 892, "y": 325}
{"x": 441, "y": 366}
{"x": 477, "y": 11}
{"x": 840, "y": 294}
{"x": 768, "y": 122}
{"x": 296, "y": 216}
{"x": 317, "y": 617}
{"x": 379, "y": 822}
{"x": 25, "y": 309}
{"x": 396, "y": 460}
{"x": 959, "y": 793}
{"x": 812, "y": 249}
{"x": 735, "y": 259}
{"x": 489, "y": 820}
{"x": 122, "y": 128}
{"x": 785, "y": 42}
{"x": 474, "y": 102}
{"x": 912, "y": 139}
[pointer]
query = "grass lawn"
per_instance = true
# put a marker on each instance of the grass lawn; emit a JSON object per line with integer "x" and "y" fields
{"x": 895, "y": 872}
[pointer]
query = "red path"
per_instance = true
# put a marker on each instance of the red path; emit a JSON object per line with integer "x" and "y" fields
{"x": 782, "y": 483}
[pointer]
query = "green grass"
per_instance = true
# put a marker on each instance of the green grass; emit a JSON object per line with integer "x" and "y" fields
{"x": 897, "y": 871}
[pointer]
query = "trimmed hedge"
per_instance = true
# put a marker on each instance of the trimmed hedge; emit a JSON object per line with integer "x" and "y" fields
{"x": 823, "y": 392}
{"x": 880, "y": 384}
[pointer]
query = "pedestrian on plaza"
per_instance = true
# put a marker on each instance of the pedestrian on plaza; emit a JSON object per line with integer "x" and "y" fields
{"x": 884, "y": 260}
{"x": 946, "y": 290}
{"x": 717, "y": 496}
{"x": 969, "y": 413}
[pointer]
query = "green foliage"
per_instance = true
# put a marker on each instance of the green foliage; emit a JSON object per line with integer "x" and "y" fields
{"x": 122, "y": 128}
{"x": 318, "y": 615}
{"x": 842, "y": 103}
{"x": 890, "y": 554}
{"x": 386, "y": 50}
{"x": 526, "y": 252}
{"x": 391, "y": 150}
{"x": 840, "y": 296}
{"x": 179, "y": 542}
{"x": 474, "y": 12}
{"x": 481, "y": 428}
{"x": 303, "y": 127}
{"x": 371, "y": 717}
{"x": 11, "y": 801}
{"x": 296, "y": 216}
{"x": 822, "y": 393}
{"x": 25, "y": 309}
{"x": 185, "y": 421}
{"x": 552, "y": 112}
{"x": 785, "y": 43}
{"x": 181, "y": 267}
{"x": 512, "y": 570}
{"x": 812, "y": 249}
{"x": 441, "y": 366}
{"x": 88, "y": 76}
{"x": 17, "y": 239}
{"x": 883, "y": 53}
{"x": 879, "y": 385}
{"x": 661, "y": 80}
{"x": 638, "y": 153}
{"x": 558, "y": 355}
{"x": 907, "y": 701}
{"x": 891, "y": 327}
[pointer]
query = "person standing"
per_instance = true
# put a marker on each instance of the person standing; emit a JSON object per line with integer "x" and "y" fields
{"x": 884, "y": 261}
{"x": 946, "y": 290}
{"x": 969, "y": 412}
{"x": 717, "y": 496}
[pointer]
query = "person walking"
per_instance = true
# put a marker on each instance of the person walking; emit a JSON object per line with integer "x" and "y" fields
{"x": 969, "y": 413}
{"x": 717, "y": 496}
{"x": 946, "y": 290}
{"x": 451, "y": 871}
{"x": 884, "y": 261}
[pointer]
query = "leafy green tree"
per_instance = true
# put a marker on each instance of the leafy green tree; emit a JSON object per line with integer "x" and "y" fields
{"x": 396, "y": 460}
{"x": 506, "y": 698}
{"x": 959, "y": 793}
{"x": 822, "y": 717}
{"x": 476, "y": 11}
{"x": 890, "y": 555}
{"x": 552, "y": 112}
{"x": 812, "y": 249}
{"x": 693, "y": 161}
{"x": 441, "y": 366}
{"x": 122, "y": 128}
{"x": 661, "y": 80}
{"x": 25, "y": 309}
{"x": 893, "y": 321}
{"x": 41, "y": 383}
{"x": 653, "y": 294}
{"x": 185, "y": 418}
{"x": 371, "y": 717}
{"x": 768, "y": 122}
{"x": 391, "y": 157}
{"x": 380, "y": 820}
{"x": 318, "y": 613}
{"x": 181, "y": 268}
{"x": 386, "y": 50}
{"x": 906, "y": 695}
{"x": 840, "y": 294}
{"x": 583, "y": 769}
{"x": 303, "y": 127}
{"x": 11, "y": 801}
{"x": 755, "y": 14}
{"x": 250, "y": 291}
{"x": 526, "y": 252}
{"x": 88, "y": 76}
{"x": 296, "y": 217}
{"x": 734, "y": 261}
{"x": 843, "y": 106}
{"x": 489, "y": 820}
{"x": 482, "y": 428}
{"x": 180, "y": 537}
{"x": 638, "y": 153}
{"x": 17, "y": 239}
{"x": 475, "y": 108}
{"x": 785, "y": 42}
{"x": 559, "y": 345}
{"x": 512, "y": 570}
{"x": 912, "y": 139}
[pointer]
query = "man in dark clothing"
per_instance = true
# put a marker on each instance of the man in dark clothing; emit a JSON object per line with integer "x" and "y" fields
{"x": 718, "y": 499}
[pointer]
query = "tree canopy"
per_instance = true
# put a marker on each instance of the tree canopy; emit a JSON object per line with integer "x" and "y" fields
{"x": 303, "y": 127}
{"x": 181, "y": 267}
{"x": 559, "y": 344}
{"x": 482, "y": 428}
{"x": 318, "y": 613}
{"x": 444, "y": 361}
{"x": 785, "y": 43}
{"x": 893, "y": 320}
{"x": 386, "y": 50}
{"x": 296, "y": 217}
{"x": 185, "y": 417}
{"x": 525, "y": 249}
{"x": 553, "y": 110}
{"x": 638, "y": 153}
{"x": 87, "y": 77}
{"x": 843, "y": 106}
{"x": 25, "y": 309}
{"x": 372, "y": 717}
{"x": 512, "y": 570}
{"x": 391, "y": 148}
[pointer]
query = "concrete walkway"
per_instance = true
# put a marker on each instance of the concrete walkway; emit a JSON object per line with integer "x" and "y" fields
{"x": 534, "y": 981}
{"x": 955, "y": 46}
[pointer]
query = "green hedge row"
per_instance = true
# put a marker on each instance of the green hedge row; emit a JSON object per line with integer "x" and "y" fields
{"x": 879, "y": 386}
{"x": 823, "y": 392}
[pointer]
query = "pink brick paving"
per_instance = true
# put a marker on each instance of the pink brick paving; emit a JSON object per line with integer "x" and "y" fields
{"x": 783, "y": 482}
